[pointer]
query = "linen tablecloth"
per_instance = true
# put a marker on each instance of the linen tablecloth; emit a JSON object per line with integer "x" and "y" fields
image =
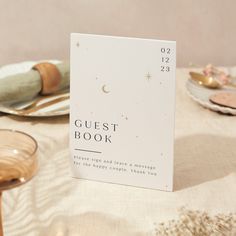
{"x": 55, "y": 204}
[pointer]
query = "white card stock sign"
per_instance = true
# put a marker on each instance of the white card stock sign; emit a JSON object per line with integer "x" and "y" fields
{"x": 122, "y": 110}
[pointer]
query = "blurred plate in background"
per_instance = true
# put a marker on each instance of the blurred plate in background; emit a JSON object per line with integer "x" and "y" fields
{"x": 201, "y": 95}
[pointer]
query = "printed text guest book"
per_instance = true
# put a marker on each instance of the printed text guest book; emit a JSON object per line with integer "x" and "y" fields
{"x": 122, "y": 110}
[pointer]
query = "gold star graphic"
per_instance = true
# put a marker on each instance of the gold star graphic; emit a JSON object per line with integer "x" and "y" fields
{"x": 148, "y": 76}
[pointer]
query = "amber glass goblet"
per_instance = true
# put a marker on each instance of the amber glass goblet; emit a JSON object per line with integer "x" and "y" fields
{"x": 18, "y": 161}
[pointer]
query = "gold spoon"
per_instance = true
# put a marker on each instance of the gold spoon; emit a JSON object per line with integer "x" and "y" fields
{"x": 207, "y": 81}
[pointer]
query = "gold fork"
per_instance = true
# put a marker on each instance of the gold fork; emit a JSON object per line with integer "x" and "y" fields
{"x": 34, "y": 107}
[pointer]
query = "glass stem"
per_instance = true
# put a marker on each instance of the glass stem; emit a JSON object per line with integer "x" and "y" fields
{"x": 1, "y": 229}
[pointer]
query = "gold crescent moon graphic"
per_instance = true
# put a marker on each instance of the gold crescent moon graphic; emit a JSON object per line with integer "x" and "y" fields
{"x": 104, "y": 89}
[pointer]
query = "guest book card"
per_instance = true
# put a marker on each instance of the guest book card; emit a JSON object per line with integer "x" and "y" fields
{"x": 122, "y": 110}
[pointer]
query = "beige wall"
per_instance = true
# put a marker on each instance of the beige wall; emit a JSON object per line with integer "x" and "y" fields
{"x": 205, "y": 30}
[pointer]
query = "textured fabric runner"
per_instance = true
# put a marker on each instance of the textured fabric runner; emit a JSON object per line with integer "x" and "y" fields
{"x": 203, "y": 203}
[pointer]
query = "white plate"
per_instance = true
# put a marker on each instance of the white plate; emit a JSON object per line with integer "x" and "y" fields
{"x": 201, "y": 95}
{"x": 61, "y": 108}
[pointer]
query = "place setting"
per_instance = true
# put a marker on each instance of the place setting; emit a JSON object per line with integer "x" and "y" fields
{"x": 26, "y": 88}
{"x": 214, "y": 89}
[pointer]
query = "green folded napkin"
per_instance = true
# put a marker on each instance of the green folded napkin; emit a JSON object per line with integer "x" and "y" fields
{"x": 25, "y": 86}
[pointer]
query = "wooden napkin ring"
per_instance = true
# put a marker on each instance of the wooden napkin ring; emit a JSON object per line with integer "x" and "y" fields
{"x": 50, "y": 77}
